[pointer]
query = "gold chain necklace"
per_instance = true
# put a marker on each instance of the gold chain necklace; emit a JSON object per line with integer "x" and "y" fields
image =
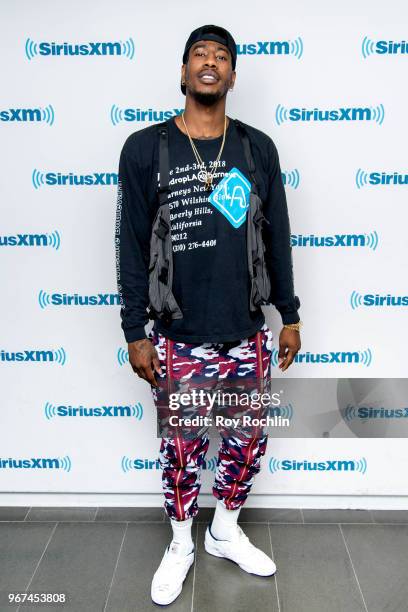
{"x": 207, "y": 176}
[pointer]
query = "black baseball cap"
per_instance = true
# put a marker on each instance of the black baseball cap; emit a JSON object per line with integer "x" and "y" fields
{"x": 215, "y": 33}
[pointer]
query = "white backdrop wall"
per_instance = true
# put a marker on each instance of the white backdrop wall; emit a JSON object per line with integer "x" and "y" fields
{"x": 64, "y": 115}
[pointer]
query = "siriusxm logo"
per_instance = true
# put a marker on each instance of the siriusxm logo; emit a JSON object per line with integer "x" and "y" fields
{"x": 329, "y": 465}
{"x": 38, "y": 356}
{"x": 366, "y": 413}
{"x": 122, "y": 356}
{"x": 41, "y": 463}
{"x": 272, "y": 47}
{"x": 52, "y": 179}
{"x": 375, "y": 299}
{"x": 285, "y": 412}
{"x": 338, "y": 357}
{"x": 37, "y": 114}
{"x": 117, "y": 115}
{"x": 128, "y": 464}
{"x": 336, "y": 240}
{"x": 119, "y": 48}
{"x": 368, "y": 113}
{"x": 66, "y": 410}
{"x": 75, "y": 299}
{"x": 380, "y": 178}
{"x": 52, "y": 240}
{"x": 291, "y": 178}
{"x": 383, "y": 47}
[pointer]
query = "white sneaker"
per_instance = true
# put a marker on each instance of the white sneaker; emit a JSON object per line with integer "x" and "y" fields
{"x": 239, "y": 549}
{"x": 169, "y": 577}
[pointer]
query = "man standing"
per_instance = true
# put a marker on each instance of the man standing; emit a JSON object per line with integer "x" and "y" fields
{"x": 212, "y": 324}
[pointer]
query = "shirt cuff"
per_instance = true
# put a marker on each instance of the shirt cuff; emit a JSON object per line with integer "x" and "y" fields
{"x": 134, "y": 333}
{"x": 290, "y": 317}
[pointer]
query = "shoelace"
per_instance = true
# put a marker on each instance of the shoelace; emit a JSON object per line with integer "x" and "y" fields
{"x": 244, "y": 541}
{"x": 241, "y": 536}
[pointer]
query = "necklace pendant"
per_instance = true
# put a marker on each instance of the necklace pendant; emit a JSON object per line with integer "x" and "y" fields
{"x": 208, "y": 183}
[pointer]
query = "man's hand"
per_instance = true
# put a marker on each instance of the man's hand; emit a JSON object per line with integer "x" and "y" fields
{"x": 288, "y": 339}
{"x": 144, "y": 360}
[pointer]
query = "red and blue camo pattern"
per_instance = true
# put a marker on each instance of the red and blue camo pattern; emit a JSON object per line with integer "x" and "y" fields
{"x": 239, "y": 456}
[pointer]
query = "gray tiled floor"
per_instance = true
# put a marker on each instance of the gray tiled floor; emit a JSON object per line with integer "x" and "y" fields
{"x": 103, "y": 559}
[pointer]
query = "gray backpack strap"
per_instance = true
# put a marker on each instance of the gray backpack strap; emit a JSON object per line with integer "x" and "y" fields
{"x": 163, "y": 189}
{"x": 248, "y": 153}
{"x": 162, "y": 303}
{"x": 258, "y": 272}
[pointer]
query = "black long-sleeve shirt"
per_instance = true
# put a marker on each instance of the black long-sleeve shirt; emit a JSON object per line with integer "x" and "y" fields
{"x": 211, "y": 281}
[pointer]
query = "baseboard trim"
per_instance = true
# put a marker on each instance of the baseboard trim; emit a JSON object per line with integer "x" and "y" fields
{"x": 155, "y": 500}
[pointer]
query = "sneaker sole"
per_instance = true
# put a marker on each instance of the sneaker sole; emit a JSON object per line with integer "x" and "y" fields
{"x": 169, "y": 601}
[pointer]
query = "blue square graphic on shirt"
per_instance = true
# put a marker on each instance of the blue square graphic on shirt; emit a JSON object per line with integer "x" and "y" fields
{"x": 231, "y": 197}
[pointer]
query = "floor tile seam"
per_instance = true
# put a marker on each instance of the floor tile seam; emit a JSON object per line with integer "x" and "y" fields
{"x": 276, "y": 578}
{"x": 353, "y": 568}
{"x": 115, "y": 568}
{"x": 39, "y": 560}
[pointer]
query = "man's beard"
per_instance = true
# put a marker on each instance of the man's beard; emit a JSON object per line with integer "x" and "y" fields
{"x": 207, "y": 98}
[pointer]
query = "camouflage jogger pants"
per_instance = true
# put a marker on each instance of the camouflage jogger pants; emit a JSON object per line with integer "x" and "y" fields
{"x": 239, "y": 454}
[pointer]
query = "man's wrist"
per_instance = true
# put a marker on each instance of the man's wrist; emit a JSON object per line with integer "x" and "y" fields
{"x": 295, "y": 326}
